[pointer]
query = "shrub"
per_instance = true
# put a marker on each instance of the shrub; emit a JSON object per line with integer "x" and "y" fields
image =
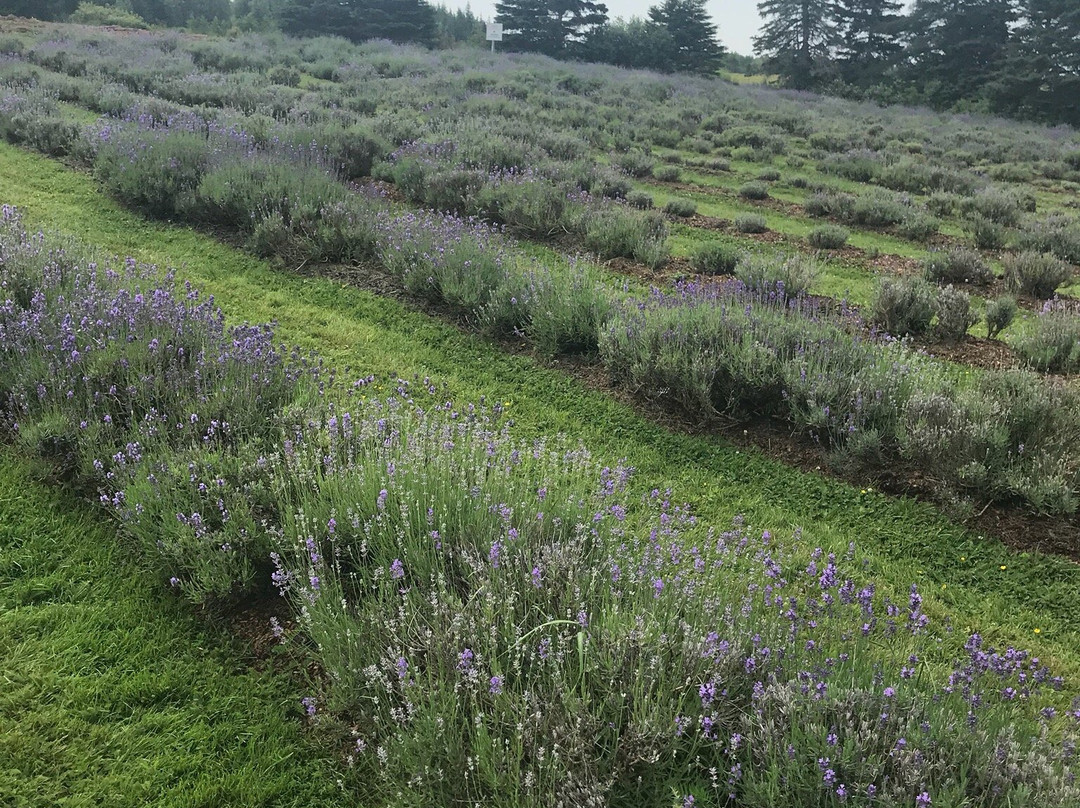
{"x": 559, "y": 309}
{"x": 716, "y": 258}
{"x": 284, "y": 75}
{"x": 830, "y": 204}
{"x": 918, "y": 226}
{"x": 161, "y": 181}
{"x": 718, "y": 165}
{"x": 355, "y": 148}
{"x": 1035, "y": 274}
{"x": 954, "y": 315}
{"x": 995, "y": 205}
{"x": 789, "y": 276}
{"x": 527, "y": 205}
{"x": 957, "y": 265}
{"x": 750, "y": 223}
{"x": 1052, "y": 343}
{"x": 878, "y": 210}
{"x": 95, "y": 14}
{"x": 442, "y": 257}
{"x": 985, "y": 233}
{"x": 614, "y": 232}
{"x": 769, "y": 175}
{"x": 640, "y": 200}
{"x": 940, "y": 203}
{"x": 903, "y": 306}
{"x": 828, "y": 237}
{"x": 1056, "y": 234}
{"x": 636, "y": 164}
{"x": 680, "y": 207}
{"x": 754, "y": 190}
{"x": 666, "y": 173}
{"x": 999, "y": 315}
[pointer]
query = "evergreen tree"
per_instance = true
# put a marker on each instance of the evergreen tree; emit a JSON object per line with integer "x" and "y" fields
{"x": 360, "y": 20}
{"x": 796, "y": 39}
{"x": 693, "y": 34}
{"x": 634, "y": 43}
{"x": 957, "y": 47}
{"x": 453, "y": 27}
{"x": 554, "y": 27}
{"x": 177, "y": 13}
{"x": 39, "y": 9}
{"x": 1040, "y": 77}
{"x": 868, "y": 38}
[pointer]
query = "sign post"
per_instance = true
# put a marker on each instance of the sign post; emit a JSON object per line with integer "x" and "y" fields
{"x": 494, "y": 33}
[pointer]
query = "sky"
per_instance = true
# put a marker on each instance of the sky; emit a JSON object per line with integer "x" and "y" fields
{"x": 736, "y": 20}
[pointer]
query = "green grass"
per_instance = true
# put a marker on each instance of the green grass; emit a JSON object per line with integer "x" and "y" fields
{"x": 113, "y": 693}
{"x": 907, "y": 541}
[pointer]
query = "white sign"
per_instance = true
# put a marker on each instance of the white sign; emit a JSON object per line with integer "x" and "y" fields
{"x": 494, "y": 31}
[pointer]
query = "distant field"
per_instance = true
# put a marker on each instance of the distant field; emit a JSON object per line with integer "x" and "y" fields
{"x": 638, "y": 264}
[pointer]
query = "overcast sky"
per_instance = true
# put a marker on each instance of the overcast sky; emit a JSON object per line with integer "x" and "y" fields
{"x": 737, "y": 20}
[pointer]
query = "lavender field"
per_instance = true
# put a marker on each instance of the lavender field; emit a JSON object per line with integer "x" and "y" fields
{"x": 503, "y": 615}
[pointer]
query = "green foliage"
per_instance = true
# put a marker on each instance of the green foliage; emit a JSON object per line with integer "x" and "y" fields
{"x": 716, "y": 258}
{"x": 986, "y": 234}
{"x": 160, "y": 184}
{"x": 533, "y": 25}
{"x": 95, "y": 14}
{"x": 359, "y": 20}
{"x": 795, "y": 39}
{"x": 1052, "y": 343}
{"x": 694, "y": 46}
{"x": 118, "y": 694}
{"x": 904, "y": 306}
{"x": 618, "y": 232}
{"x": 680, "y": 207}
{"x": 636, "y": 163}
{"x": 640, "y": 200}
{"x": 957, "y": 265}
{"x": 828, "y": 237}
{"x": 788, "y": 276}
{"x": 666, "y": 173}
{"x": 1035, "y": 274}
{"x": 999, "y": 315}
{"x": 754, "y": 190}
{"x": 750, "y": 223}
{"x": 954, "y": 315}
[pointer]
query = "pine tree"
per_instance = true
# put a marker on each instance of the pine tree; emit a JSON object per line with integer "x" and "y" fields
{"x": 554, "y": 27}
{"x": 868, "y": 38}
{"x": 796, "y": 39}
{"x": 693, "y": 35}
{"x": 957, "y": 47}
{"x": 1040, "y": 77}
{"x": 39, "y": 9}
{"x": 359, "y": 20}
{"x": 633, "y": 43}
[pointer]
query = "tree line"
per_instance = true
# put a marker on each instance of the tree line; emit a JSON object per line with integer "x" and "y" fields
{"x": 1014, "y": 57}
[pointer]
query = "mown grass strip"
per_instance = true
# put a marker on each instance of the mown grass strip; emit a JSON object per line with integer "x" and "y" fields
{"x": 114, "y": 693}
{"x": 980, "y": 583}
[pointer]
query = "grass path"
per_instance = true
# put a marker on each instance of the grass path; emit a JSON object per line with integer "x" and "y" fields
{"x": 977, "y": 582}
{"x": 113, "y": 694}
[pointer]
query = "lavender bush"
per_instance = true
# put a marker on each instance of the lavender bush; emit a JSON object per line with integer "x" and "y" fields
{"x": 115, "y": 379}
{"x": 495, "y": 621}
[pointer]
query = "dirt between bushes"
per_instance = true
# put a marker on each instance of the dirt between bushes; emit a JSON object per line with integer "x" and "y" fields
{"x": 1017, "y": 528}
